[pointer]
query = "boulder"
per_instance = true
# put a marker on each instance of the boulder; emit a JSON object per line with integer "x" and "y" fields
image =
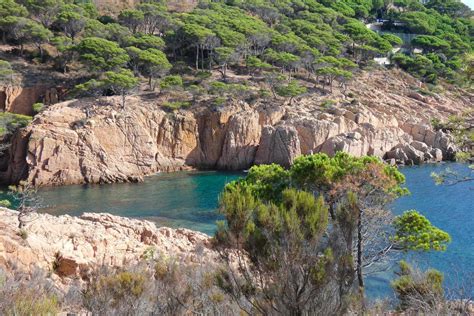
{"x": 420, "y": 146}
{"x": 398, "y": 155}
{"x": 437, "y": 154}
{"x": 413, "y": 154}
{"x": 279, "y": 145}
{"x": 241, "y": 141}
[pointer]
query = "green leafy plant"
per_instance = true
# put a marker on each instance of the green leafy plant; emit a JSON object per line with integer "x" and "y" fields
{"x": 176, "y": 105}
{"x": 415, "y": 232}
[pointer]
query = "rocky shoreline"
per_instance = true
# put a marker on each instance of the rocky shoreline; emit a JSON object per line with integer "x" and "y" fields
{"x": 72, "y": 247}
{"x": 93, "y": 141}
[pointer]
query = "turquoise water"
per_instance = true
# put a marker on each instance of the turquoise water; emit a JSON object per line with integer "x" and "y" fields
{"x": 181, "y": 199}
{"x": 189, "y": 199}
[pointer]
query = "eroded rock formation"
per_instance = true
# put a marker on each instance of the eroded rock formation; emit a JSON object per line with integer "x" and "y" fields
{"x": 73, "y": 246}
{"x": 93, "y": 141}
{"x": 20, "y": 100}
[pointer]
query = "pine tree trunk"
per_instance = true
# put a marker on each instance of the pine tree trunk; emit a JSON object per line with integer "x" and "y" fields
{"x": 41, "y": 51}
{"x": 197, "y": 57}
{"x": 360, "y": 276}
{"x": 202, "y": 58}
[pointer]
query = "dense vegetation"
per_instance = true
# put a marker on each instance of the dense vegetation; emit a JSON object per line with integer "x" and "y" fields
{"x": 325, "y": 40}
{"x": 312, "y": 232}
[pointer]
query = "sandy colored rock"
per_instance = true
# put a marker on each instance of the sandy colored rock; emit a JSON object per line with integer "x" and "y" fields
{"x": 279, "y": 145}
{"x": 72, "y": 246}
{"x": 95, "y": 141}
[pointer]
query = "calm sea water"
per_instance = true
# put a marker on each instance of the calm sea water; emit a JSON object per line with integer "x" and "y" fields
{"x": 189, "y": 199}
{"x": 181, "y": 199}
{"x": 450, "y": 208}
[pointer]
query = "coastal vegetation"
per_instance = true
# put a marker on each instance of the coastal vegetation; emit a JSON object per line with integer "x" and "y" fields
{"x": 298, "y": 240}
{"x": 310, "y": 233}
{"x": 295, "y": 241}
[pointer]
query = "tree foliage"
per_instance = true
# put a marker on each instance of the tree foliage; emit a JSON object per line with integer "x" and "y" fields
{"x": 276, "y": 213}
{"x": 100, "y": 54}
{"x": 305, "y": 38}
{"x": 415, "y": 232}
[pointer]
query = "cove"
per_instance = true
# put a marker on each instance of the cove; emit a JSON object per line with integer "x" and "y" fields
{"x": 179, "y": 199}
{"x": 189, "y": 199}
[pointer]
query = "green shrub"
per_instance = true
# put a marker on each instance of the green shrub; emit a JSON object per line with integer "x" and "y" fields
{"x": 176, "y": 105}
{"x": 26, "y": 295}
{"x": 327, "y": 104}
{"x": 30, "y": 303}
{"x": 203, "y": 75}
{"x": 37, "y": 107}
{"x": 290, "y": 90}
{"x": 237, "y": 90}
{"x": 10, "y": 122}
{"x": 5, "y": 203}
{"x": 171, "y": 82}
{"x": 23, "y": 234}
{"x": 219, "y": 101}
{"x": 414, "y": 287}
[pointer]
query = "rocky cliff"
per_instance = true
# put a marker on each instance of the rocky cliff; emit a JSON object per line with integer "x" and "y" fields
{"x": 94, "y": 141}
{"x": 20, "y": 100}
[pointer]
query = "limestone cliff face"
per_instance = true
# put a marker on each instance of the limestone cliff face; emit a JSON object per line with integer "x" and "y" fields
{"x": 93, "y": 141}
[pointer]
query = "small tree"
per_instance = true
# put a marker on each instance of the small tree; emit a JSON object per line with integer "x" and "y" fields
{"x": 44, "y": 11}
{"x": 415, "y": 232}
{"x": 226, "y": 56}
{"x": 420, "y": 291}
{"x": 71, "y": 19}
{"x": 290, "y": 90}
{"x": 64, "y": 45}
{"x": 155, "y": 18}
{"x": 285, "y": 60}
{"x": 121, "y": 82}
{"x": 25, "y": 196}
{"x": 290, "y": 269}
{"x": 100, "y": 54}
{"x": 131, "y": 19}
{"x": 6, "y": 72}
{"x": 171, "y": 82}
{"x": 10, "y": 8}
{"x": 16, "y": 28}
{"x": 197, "y": 35}
{"x": 40, "y": 35}
{"x": 331, "y": 68}
{"x": 255, "y": 64}
{"x": 153, "y": 64}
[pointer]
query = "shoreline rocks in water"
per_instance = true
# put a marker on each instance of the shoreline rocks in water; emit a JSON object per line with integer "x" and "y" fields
{"x": 92, "y": 141}
{"x": 74, "y": 246}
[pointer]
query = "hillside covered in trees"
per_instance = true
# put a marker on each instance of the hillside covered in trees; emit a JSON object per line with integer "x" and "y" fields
{"x": 152, "y": 44}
